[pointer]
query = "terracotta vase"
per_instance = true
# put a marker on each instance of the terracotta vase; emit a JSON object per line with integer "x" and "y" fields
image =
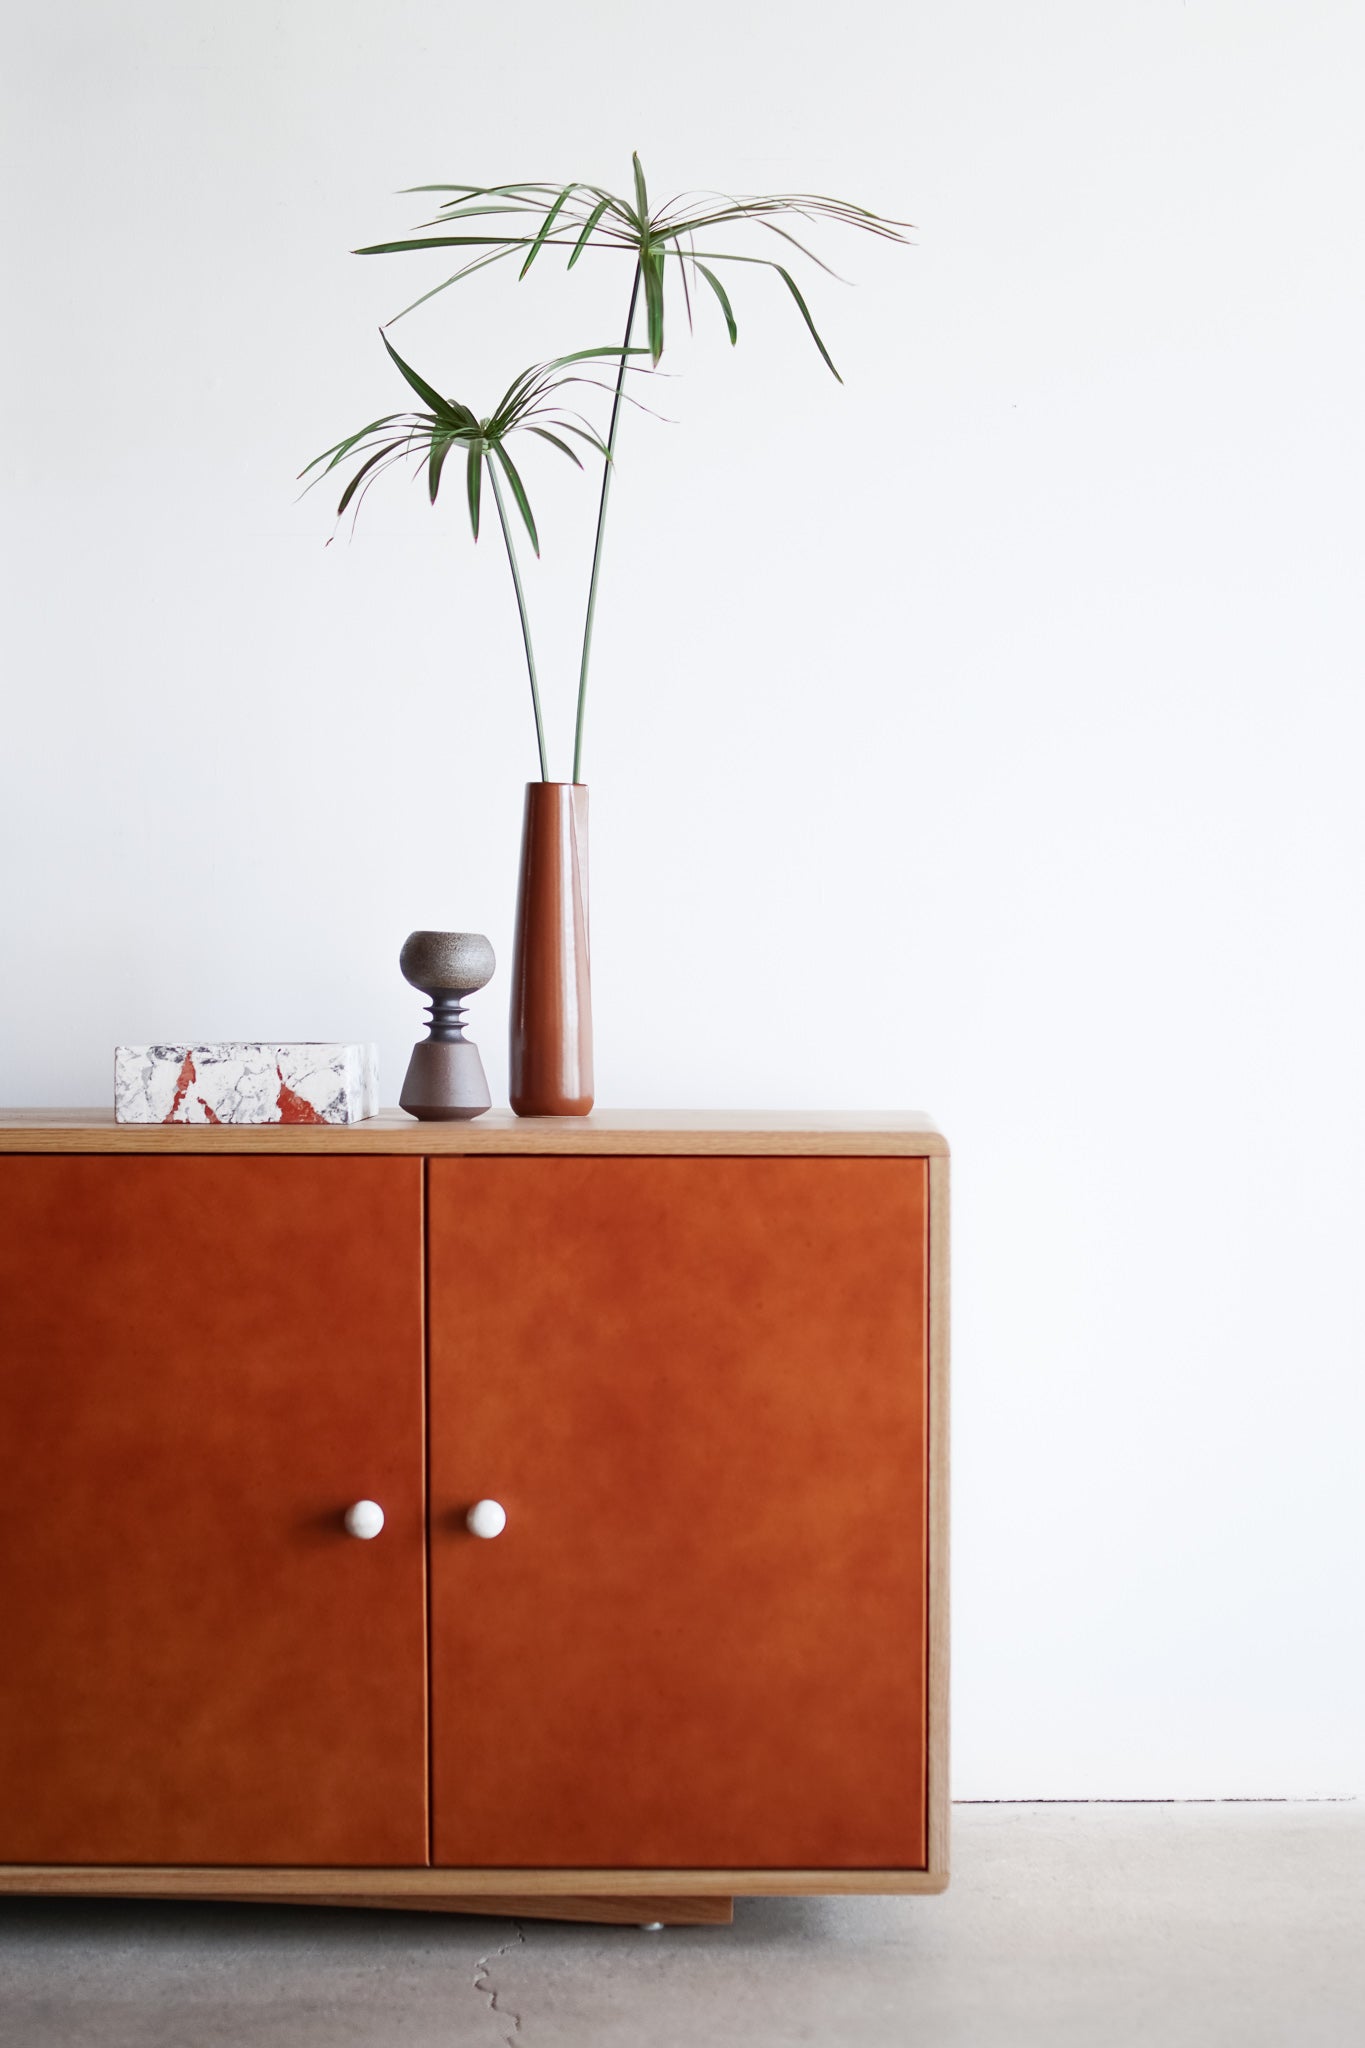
{"x": 551, "y": 1022}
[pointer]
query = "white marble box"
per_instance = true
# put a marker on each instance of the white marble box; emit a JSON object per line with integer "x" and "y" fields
{"x": 243, "y": 1082}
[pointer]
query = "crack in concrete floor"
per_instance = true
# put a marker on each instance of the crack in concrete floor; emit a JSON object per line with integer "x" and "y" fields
{"x": 1072, "y": 1926}
{"x": 483, "y": 1983}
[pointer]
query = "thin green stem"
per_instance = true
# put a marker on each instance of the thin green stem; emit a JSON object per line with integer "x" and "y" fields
{"x": 521, "y": 607}
{"x": 607, "y": 468}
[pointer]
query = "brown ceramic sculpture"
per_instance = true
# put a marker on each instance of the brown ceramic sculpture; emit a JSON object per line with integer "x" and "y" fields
{"x": 551, "y": 1020}
{"x": 445, "y": 1081}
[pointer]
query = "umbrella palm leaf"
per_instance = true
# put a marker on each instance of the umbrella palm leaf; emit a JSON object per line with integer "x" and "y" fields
{"x": 531, "y": 404}
{"x": 502, "y": 221}
{"x": 493, "y": 223}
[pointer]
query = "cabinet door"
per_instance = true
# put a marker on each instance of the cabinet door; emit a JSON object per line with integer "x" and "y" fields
{"x": 203, "y": 1362}
{"x": 698, "y": 1389}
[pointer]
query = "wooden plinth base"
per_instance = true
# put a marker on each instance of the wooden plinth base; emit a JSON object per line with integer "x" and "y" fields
{"x": 670, "y": 1912}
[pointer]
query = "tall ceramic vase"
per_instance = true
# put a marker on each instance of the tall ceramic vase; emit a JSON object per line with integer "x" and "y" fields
{"x": 551, "y": 1023}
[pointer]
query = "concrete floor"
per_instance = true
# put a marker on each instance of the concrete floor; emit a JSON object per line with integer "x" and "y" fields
{"x": 1098, "y": 1926}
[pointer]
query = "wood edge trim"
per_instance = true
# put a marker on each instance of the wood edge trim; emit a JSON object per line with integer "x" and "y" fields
{"x": 938, "y": 1809}
{"x": 26, "y": 1132}
{"x": 671, "y": 1911}
{"x": 146, "y": 1881}
{"x": 221, "y": 1144}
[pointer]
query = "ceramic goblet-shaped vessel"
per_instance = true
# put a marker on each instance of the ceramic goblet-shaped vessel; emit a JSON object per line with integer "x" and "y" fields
{"x": 445, "y": 1080}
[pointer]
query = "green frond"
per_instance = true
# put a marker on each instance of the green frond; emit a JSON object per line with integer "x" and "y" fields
{"x": 551, "y": 216}
{"x": 419, "y": 384}
{"x": 443, "y": 242}
{"x": 518, "y": 492}
{"x": 687, "y": 289}
{"x": 343, "y": 448}
{"x": 585, "y": 235}
{"x": 473, "y": 482}
{"x": 767, "y": 263}
{"x": 467, "y": 270}
{"x": 652, "y": 266}
{"x": 555, "y": 442}
{"x": 441, "y": 445}
{"x": 790, "y": 282}
{"x": 719, "y": 289}
{"x": 391, "y": 450}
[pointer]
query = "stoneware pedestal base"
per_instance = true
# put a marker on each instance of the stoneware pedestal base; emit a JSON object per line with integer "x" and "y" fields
{"x": 445, "y": 1083}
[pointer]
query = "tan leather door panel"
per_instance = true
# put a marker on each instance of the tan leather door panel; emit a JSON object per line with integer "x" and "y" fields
{"x": 203, "y": 1361}
{"x": 698, "y": 1388}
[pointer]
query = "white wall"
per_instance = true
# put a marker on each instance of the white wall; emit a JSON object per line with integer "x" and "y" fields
{"x": 983, "y": 735}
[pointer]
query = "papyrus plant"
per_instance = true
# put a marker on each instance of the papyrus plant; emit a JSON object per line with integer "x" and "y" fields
{"x": 501, "y": 222}
{"x": 425, "y": 441}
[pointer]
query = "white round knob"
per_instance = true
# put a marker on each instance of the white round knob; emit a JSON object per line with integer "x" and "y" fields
{"x": 486, "y": 1518}
{"x": 364, "y": 1518}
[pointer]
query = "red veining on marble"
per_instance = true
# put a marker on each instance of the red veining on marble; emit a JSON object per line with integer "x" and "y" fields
{"x": 210, "y": 1116}
{"x": 292, "y": 1107}
{"x": 184, "y": 1082}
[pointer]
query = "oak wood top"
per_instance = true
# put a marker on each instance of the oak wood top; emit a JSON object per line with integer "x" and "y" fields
{"x": 903, "y": 1134}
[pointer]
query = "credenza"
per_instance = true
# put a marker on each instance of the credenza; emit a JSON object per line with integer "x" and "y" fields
{"x": 543, "y": 1516}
